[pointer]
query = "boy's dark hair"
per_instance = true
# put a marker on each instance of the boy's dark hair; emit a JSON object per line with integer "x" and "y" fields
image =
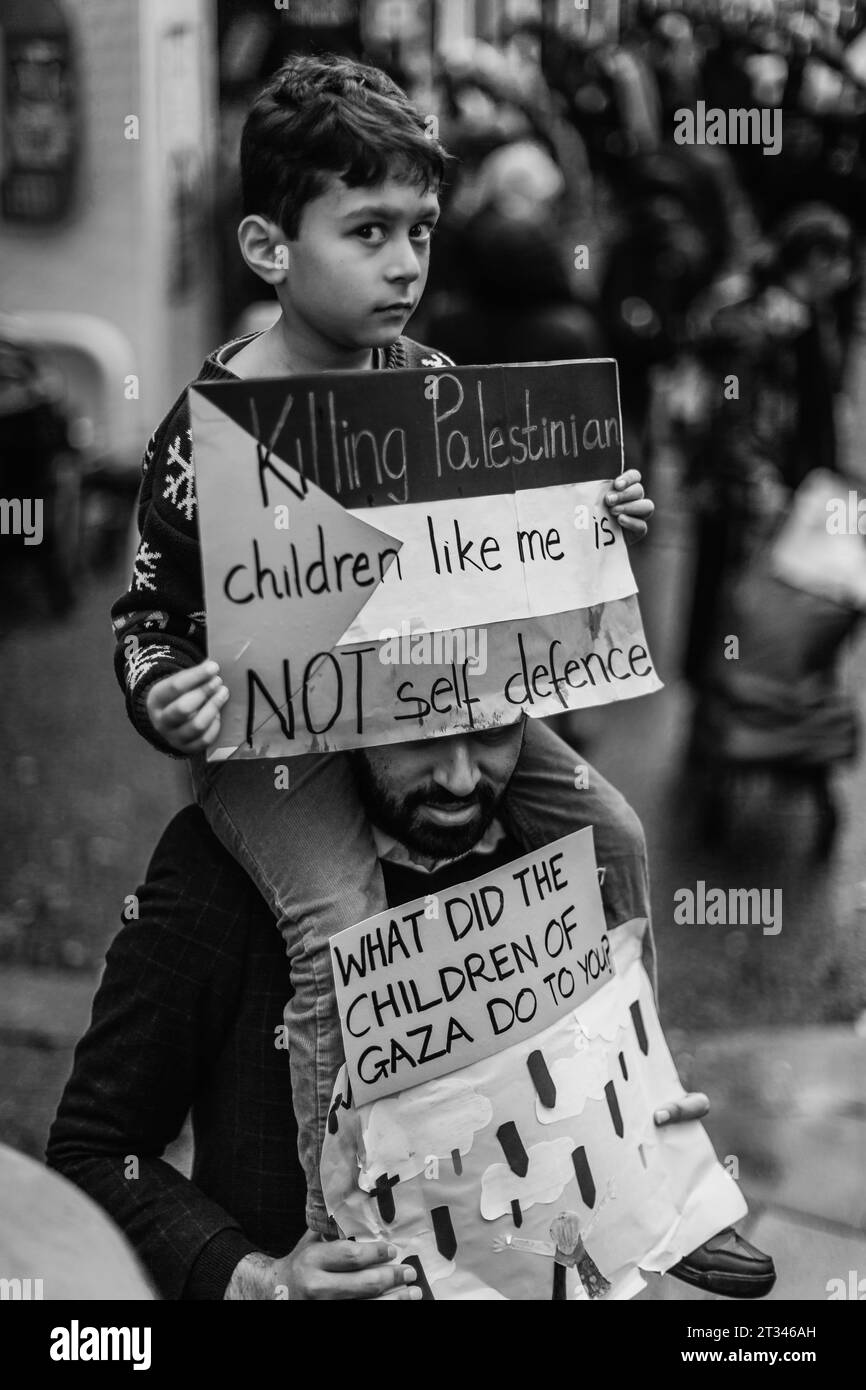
{"x": 324, "y": 115}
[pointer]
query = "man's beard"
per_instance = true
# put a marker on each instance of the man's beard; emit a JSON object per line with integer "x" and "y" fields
{"x": 403, "y": 818}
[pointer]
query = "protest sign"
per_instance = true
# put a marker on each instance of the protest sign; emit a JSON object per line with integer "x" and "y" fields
{"x": 441, "y": 982}
{"x": 344, "y": 516}
{"x": 543, "y": 1151}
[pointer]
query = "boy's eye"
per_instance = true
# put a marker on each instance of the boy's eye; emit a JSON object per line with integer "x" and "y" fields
{"x": 373, "y": 232}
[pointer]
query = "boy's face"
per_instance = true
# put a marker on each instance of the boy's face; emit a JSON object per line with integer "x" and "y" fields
{"x": 359, "y": 263}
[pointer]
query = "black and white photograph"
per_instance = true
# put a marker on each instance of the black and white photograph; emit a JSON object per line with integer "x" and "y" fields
{"x": 433, "y": 665}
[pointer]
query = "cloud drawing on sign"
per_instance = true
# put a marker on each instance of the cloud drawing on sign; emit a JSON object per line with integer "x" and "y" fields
{"x": 577, "y": 1080}
{"x": 439, "y": 1118}
{"x": 603, "y": 1014}
{"x": 550, "y": 1170}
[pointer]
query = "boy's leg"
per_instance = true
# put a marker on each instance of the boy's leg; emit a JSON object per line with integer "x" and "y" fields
{"x": 310, "y": 852}
{"x": 543, "y": 804}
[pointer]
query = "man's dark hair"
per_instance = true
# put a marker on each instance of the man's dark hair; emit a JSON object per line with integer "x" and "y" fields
{"x": 325, "y": 115}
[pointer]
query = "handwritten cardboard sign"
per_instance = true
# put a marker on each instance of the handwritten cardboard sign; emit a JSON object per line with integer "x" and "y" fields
{"x": 537, "y": 1172}
{"x": 439, "y": 983}
{"x": 344, "y": 515}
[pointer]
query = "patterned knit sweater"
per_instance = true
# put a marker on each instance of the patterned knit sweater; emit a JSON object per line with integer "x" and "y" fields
{"x": 160, "y": 622}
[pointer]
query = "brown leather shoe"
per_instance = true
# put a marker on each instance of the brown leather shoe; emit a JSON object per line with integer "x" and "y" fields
{"x": 727, "y": 1264}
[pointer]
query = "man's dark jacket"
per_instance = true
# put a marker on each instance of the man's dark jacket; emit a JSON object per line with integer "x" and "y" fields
{"x": 187, "y": 1019}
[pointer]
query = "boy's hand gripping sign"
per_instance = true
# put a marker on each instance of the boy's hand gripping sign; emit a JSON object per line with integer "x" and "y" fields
{"x": 390, "y": 555}
{"x": 494, "y": 1118}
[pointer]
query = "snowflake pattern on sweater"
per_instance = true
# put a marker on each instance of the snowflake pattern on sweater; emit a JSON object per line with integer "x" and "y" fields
{"x": 180, "y": 486}
{"x": 141, "y": 660}
{"x": 144, "y": 567}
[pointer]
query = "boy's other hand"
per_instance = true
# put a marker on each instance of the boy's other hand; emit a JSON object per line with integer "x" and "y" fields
{"x": 184, "y": 709}
{"x": 629, "y": 505}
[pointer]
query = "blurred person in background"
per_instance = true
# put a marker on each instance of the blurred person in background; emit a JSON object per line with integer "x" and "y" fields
{"x": 782, "y": 348}
{"x": 484, "y": 109}
{"x": 675, "y": 58}
{"x": 610, "y": 95}
{"x": 677, "y": 238}
{"x": 517, "y": 304}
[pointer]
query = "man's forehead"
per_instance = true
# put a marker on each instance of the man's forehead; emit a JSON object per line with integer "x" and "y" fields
{"x": 477, "y": 741}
